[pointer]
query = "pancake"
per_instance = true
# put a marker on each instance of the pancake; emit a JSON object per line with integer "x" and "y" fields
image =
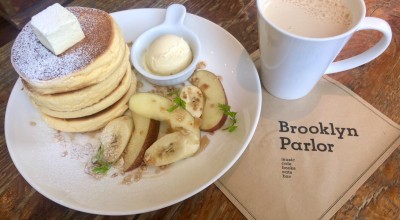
{"x": 85, "y": 87}
{"x": 82, "y": 98}
{"x": 128, "y": 82}
{"x": 88, "y": 62}
{"x": 92, "y": 122}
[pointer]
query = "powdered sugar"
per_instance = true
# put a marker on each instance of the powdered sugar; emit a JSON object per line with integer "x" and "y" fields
{"x": 35, "y": 62}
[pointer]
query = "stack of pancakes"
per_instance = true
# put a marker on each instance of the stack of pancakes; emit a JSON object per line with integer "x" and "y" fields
{"x": 85, "y": 87}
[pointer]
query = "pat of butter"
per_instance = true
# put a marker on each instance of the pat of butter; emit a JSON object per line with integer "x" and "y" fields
{"x": 57, "y": 28}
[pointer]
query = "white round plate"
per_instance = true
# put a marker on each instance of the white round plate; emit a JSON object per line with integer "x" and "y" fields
{"x": 53, "y": 162}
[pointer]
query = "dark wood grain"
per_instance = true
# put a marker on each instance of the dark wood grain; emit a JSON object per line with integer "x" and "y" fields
{"x": 378, "y": 82}
{"x": 8, "y": 32}
{"x": 19, "y": 12}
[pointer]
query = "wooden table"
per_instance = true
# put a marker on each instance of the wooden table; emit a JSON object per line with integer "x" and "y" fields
{"x": 378, "y": 82}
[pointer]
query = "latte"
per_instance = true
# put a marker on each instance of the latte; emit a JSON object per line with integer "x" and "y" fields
{"x": 312, "y": 18}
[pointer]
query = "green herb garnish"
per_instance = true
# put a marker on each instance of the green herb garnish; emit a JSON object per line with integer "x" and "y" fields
{"x": 101, "y": 169}
{"x": 177, "y": 100}
{"x": 232, "y": 116}
{"x": 101, "y": 166}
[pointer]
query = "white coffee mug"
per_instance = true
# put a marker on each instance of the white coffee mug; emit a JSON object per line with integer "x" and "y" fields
{"x": 291, "y": 64}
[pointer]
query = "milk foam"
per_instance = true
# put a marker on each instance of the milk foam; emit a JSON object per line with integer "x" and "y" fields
{"x": 312, "y": 18}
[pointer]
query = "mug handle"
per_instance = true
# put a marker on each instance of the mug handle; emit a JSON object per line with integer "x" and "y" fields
{"x": 369, "y": 23}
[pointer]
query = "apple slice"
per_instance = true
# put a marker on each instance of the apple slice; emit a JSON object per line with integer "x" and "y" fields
{"x": 115, "y": 136}
{"x": 194, "y": 100}
{"x": 144, "y": 135}
{"x": 183, "y": 142}
{"x": 165, "y": 128}
{"x": 214, "y": 94}
{"x": 156, "y": 107}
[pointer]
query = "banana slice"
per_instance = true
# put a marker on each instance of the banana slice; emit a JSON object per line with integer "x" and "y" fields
{"x": 115, "y": 136}
{"x": 194, "y": 100}
{"x": 171, "y": 148}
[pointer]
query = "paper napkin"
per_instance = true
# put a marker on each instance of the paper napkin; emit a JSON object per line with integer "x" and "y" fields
{"x": 309, "y": 156}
